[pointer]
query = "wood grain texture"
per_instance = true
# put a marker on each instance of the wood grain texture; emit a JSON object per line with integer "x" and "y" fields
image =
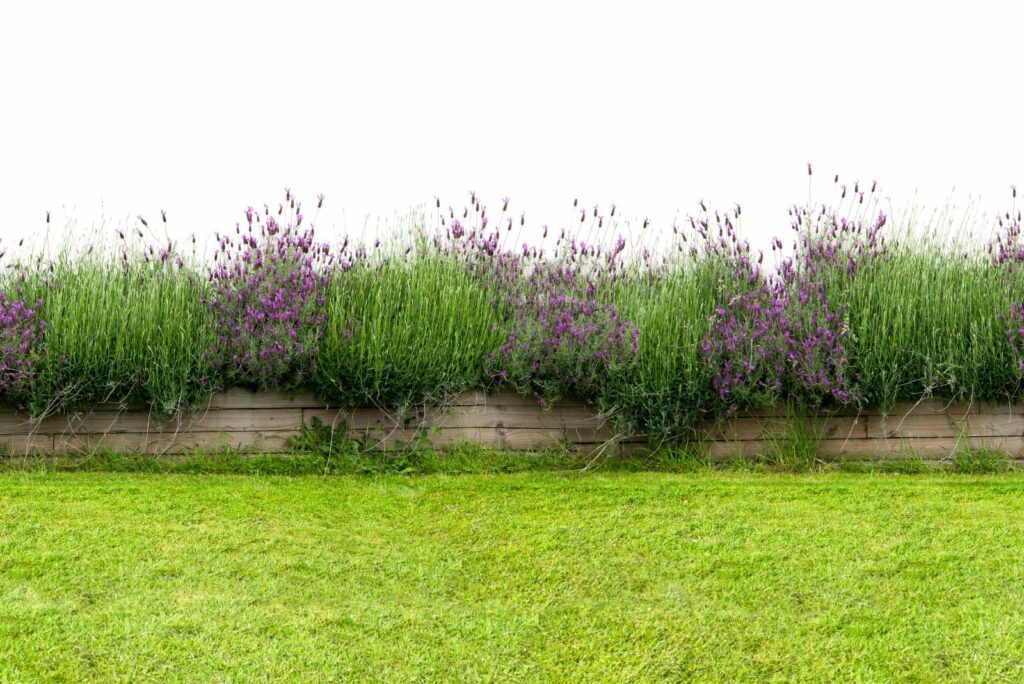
{"x": 26, "y": 444}
{"x": 754, "y": 427}
{"x": 514, "y": 438}
{"x": 170, "y": 443}
{"x": 238, "y": 398}
{"x": 504, "y": 398}
{"x": 949, "y": 426}
{"x": 461, "y": 416}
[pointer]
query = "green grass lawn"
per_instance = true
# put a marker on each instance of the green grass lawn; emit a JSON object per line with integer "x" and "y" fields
{"x": 619, "y": 576}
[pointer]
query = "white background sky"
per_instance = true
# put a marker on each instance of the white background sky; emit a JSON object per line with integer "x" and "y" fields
{"x": 202, "y": 108}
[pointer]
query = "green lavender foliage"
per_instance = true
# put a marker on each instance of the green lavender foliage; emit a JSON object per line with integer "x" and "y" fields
{"x": 669, "y": 387}
{"x": 930, "y": 318}
{"x": 135, "y": 336}
{"x": 925, "y": 322}
{"x": 405, "y": 330}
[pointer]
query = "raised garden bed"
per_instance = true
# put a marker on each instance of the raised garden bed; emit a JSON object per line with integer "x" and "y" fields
{"x": 265, "y": 422}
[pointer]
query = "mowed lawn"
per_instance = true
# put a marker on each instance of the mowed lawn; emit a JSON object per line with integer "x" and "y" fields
{"x": 615, "y": 577}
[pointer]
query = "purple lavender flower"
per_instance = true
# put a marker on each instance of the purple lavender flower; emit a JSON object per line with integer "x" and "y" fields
{"x": 267, "y": 301}
{"x": 22, "y": 335}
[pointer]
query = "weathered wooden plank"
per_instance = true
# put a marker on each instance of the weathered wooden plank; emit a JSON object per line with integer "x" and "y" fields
{"x": 948, "y": 426}
{"x": 15, "y": 445}
{"x": 898, "y": 426}
{"x": 214, "y": 420}
{"x": 933, "y": 446}
{"x": 480, "y": 416}
{"x": 993, "y": 424}
{"x": 169, "y": 443}
{"x": 238, "y": 398}
{"x": 538, "y": 438}
{"x": 511, "y": 421}
{"x": 244, "y": 398}
{"x": 389, "y": 440}
{"x": 504, "y": 398}
{"x": 499, "y": 438}
{"x": 12, "y": 423}
{"x": 234, "y": 398}
{"x": 990, "y": 408}
{"x": 753, "y": 428}
{"x": 926, "y": 407}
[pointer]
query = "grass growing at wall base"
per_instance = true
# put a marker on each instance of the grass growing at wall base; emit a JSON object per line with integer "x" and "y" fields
{"x": 469, "y": 459}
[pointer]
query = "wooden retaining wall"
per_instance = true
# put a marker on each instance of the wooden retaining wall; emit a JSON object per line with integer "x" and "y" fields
{"x": 264, "y": 422}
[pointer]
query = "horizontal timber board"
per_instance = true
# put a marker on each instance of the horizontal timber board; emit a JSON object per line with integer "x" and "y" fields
{"x": 754, "y": 427}
{"x": 505, "y": 398}
{"x": 278, "y": 441}
{"x": 498, "y": 438}
{"x": 238, "y": 398}
{"x": 265, "y": 442}
{"x": 489, "y": 415}
{"x": 949, "y": 425}
{"x": 924, "y": 406}
{"x": 244, "y": 398}
{"x": 26, "y": 444}
{"x": 113, "y": 422}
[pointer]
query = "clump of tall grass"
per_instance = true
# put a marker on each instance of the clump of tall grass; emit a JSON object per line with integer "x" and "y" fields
{"x": 930, "y": 324}
{"x": 127, "y": 327}
{"x": 404, "y": 329}
{"x": 669, "y": 387}
{"x": 933, "y": 317}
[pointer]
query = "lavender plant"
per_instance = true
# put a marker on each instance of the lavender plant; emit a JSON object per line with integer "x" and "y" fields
{"x": 924, "y": 310}
{"x": 404, "y": 330}
{"x": 564, "y": 335}
{"x": 847, "y": 312}
{"x": 124, "y": 323}
{"x": 778, "y": 337}
{"x": 22, "y": 334}
{"x": 1007, "y": 254}
{"x": 267, "y": 299}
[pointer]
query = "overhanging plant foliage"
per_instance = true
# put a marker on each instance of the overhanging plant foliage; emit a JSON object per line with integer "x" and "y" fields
{"x": 659, "y": 329}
